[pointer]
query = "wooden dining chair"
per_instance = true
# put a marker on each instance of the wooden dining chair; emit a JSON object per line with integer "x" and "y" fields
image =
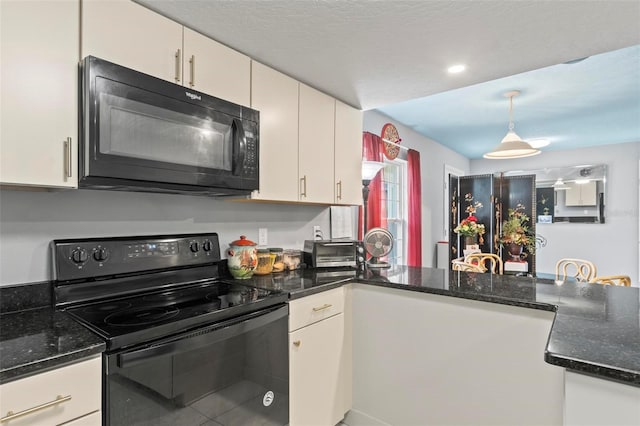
{"x": 585, "y": 270}
{"x": 621, "y": 280}
{"x": 460, "y": 265}
{"x": 481, "y": 260}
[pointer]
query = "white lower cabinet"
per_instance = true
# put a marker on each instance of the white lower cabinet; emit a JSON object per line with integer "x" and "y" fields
{"x": 69, "y": 395}
{"x": 319, "y": 360}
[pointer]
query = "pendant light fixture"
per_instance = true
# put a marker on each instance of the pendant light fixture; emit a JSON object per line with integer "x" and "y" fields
{"x": 512, "y": 146}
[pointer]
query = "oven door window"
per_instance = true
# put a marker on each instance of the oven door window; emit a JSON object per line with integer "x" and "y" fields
{"x": 237, "y": 374}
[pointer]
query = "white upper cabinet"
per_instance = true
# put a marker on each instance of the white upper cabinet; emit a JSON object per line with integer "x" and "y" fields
{"x": 39, "y": 114}
{"x": 315, "y": 146}
{"x": 275, "y": 95}
{"x": 213, "y": 68}
{"x": 348, "y": 155}
{"x": 133, "y": 36}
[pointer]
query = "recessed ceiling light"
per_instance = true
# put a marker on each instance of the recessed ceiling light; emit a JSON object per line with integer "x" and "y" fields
{"x": 538, "y": 143}
{"x": 455, "y": 69}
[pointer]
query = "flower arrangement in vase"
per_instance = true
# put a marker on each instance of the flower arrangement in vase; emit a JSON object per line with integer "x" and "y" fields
{"x": 469, "y": 226}
{"x": 516, "y": 233}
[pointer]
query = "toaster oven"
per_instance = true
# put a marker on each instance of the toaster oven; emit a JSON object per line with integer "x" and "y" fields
{"x": 333, "y": 253}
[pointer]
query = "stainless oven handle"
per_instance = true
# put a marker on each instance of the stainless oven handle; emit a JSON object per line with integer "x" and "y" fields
{"x": 336, "y": 244}
{"x": 203, "y": 337}
{"x": 239, "y": 147}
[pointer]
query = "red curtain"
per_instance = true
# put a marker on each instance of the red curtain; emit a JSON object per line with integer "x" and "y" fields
{"x": 414, "y": 194}
{"x": 373, "y": 150}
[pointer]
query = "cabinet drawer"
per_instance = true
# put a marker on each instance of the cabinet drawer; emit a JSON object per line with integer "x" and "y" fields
{"x": 311, "y": 309}
{"x": 81, "y": 382}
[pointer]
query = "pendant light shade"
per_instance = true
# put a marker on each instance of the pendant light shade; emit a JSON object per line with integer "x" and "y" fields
{"x": 512, "y": 146}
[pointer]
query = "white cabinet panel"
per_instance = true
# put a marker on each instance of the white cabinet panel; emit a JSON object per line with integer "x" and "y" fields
{"x": 316, "y": 392}
{"x": 315, "y": 142}
{"x": 348, "y": 155}
{"x": 213, "y": 68}
{"x": 133, "y": 36}
{"x": 39, "y": 113}
{"x": 72, "y": 391}
{"x": 275, "y": 95}
{"x": 581, "y": 194}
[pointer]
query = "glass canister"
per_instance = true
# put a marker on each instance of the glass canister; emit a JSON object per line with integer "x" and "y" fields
{"x": 292, "y": 259}
{"x": 278, "y": 259}
{"x": 265, "y": 262}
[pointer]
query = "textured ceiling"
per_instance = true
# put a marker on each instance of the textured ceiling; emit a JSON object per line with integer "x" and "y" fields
{"x": 373, "y": 54}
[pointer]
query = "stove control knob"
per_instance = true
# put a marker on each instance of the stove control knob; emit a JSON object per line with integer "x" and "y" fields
{"x": 79, "y": 255}
{"x": 194, "y": 246}
{"x": 206, "y": 245}
{"x": 360, "y": 249}
{"x": 100, "y": 254}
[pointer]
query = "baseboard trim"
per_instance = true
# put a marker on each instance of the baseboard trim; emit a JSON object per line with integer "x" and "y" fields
{"x": 358, "y": 418}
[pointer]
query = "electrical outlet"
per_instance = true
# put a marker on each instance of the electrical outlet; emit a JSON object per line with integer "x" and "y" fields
{"x": 317, "y": 233}
{"x": 262, "y": 237}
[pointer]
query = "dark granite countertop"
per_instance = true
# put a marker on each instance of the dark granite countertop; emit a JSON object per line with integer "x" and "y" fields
{"x": 596, "y": 329}
{"x": 37, "y": 340}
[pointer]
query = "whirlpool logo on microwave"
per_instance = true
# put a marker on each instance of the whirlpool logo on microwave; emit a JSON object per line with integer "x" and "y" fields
{"x": 193, "y": 96}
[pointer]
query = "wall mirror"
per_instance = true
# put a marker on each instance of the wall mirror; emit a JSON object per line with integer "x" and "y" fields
{"x": 574, "y": 194}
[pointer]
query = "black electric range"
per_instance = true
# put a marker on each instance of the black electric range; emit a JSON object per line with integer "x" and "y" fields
{"x": 179, "y": 337}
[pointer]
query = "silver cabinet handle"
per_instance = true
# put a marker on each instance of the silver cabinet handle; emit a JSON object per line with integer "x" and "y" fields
{"x": 178, "y": 63}
{"x": 68, "y": 163}
{"x": 192, "y": 62}
{"x": 11, "y": 415}
{"x": 339, "y": 190}
{"x": 323, "y": 307}
{"x": 303, "y": 181}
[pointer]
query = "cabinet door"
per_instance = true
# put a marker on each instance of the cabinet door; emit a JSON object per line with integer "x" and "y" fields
{"x": 348, "y": 155}
{"x": 275, "y": 95}
{"x": 316, "y": 389}
{"x": 39, "y": 118}
{"x": 581, "y": 194}
{"x": 60, "y": 395}
{"x": 215, "y": 69}
{"x": 133, "y": 36}
{"x": 315, "y": 144}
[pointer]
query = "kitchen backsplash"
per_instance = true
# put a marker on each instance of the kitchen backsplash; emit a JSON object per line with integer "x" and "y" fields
{"x": 30, "y": 220}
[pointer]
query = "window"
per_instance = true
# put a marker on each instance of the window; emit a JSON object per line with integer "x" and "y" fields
{"x": 394, "y": 198}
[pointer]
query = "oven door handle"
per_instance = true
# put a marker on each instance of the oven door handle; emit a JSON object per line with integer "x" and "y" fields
{"x": 203, "y": 337}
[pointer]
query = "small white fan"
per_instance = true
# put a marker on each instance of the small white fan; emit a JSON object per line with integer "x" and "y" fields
{"x": 378, "y": 242}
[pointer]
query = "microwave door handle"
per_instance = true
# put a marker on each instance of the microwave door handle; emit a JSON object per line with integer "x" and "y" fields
{"x": 239, "y": 147}
{"x": 223, "y": 331}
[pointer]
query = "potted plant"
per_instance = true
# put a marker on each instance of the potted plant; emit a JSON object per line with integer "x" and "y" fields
{"x": 516, "y": 234}
{"x": 469, "y": 227}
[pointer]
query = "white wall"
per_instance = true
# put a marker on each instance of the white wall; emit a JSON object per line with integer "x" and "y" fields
{"x": 433, "y": 157}
{"x": 30, "y": 220}
{"x": 612, "y": 246}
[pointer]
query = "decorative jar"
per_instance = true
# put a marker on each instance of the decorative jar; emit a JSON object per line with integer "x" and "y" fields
{"x": 242, "y": 258}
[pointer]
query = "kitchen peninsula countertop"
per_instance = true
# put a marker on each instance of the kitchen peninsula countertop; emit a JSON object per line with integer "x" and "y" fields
{"x": 596, "y": 330}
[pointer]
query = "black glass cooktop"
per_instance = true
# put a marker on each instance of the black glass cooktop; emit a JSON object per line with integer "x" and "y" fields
{"x": 131, "y": 320}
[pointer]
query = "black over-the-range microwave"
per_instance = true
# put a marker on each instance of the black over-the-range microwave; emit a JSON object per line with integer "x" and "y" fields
{"x": 141, "y": 133}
